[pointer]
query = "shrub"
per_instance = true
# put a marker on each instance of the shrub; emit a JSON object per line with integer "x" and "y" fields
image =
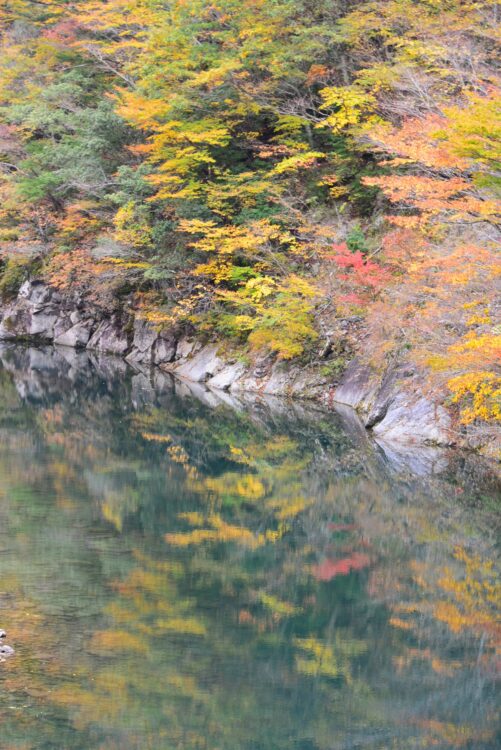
{"x": 13, "y": 273}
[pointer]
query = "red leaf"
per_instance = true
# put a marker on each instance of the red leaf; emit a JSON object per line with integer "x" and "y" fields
{"x": 331, "y": 568}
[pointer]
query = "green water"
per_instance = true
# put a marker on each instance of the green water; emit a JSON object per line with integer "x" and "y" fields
{"x": 180, "y": 570}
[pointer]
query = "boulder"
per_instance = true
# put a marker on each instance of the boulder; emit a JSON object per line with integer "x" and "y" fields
{"x": 414, "y": 419}
{"x": 41, "y": 324}
{"x": 37, "y": 293}
{"x": 391, "y": 385}
{"x": 279, "y": 382}
{"x": 164, "y": 349}
{"x": 226, "y": 376}
{"x": 33, "y": 313}
{"x": 11, "y": 326}
{"x": 185, "y": 347}
{"x": 358, "y": 387}
{"x": 109, "y": 336}
{"x": 143, "y": 341}
{"x": 77, "y": 336}
{"x": 202, "y": 366}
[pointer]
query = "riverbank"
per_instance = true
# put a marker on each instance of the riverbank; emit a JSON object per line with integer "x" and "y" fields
{"x": 51, "y": 375}
{"x": 390, "y": 403}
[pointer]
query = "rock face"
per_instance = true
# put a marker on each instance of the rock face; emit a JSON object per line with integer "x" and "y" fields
{"x": 391, "y": 403}
{"x": 164, "y": 349}
{"x": 77, "y": 336}
{"x": 202, "y": 366}
{"x": 226, "y": 376}
{"x": 358, "y": 388}
{"x": 206, "y": 364}
{"x": 150, "y": 346}
{"x": 143, "y": 341}
{"x": 42, "y": 315}
{"x": 109, "y": 336}
{"x": 410, "y": 420}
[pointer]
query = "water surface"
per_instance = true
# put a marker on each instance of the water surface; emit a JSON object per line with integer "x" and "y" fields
{"x": 180, "y": 570}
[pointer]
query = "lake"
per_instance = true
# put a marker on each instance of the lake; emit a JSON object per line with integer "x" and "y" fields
{"x": 183, "y": 570}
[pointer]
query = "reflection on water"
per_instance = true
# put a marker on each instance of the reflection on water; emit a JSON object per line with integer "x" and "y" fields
{"x": 182, "y": 570}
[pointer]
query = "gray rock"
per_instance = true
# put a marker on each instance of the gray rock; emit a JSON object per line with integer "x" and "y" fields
{"x": 164, "y": 350}
{"x": 76, "y": 336}
{"x": 358, "y": 387}
{"x": 312, "y": 385}
{"x": 412, "y": 419}
{"x": 226, "y": 376}
{"x": 279, "y": 382}
{"x": 263, "y": 367}
{"x": 383, "y": 398}
{"x": 62, "y": 324}
{"x": 390, "y": 403}
{"x": 9, "y": 325}
{"x": 31, "y": 314}
{"x": 393, "y": 405}
{"x": 37, "y": 293}
{"x": 202, "y": 366}
{"x": 186, "y": 347}
{"x": 246, "y": 383}
{"x": 41, "y": 324}
{"x": 110, "y": 337}
{"x": 145, "y": 337}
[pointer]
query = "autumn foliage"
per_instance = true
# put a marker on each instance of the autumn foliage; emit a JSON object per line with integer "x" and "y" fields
{"x": 263, "y": 170}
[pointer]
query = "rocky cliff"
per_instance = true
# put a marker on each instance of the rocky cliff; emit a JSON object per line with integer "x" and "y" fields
{"x": 391, "y": 404}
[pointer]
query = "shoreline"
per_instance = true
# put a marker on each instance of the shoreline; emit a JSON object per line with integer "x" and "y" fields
{"x": 391, "y": 405}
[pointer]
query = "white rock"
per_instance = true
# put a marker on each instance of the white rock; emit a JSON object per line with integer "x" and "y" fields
{"x": 279, "y": 382}
{"x": 109, "y": 337}
{"x": 185, "y": 348}
{"x": 358, "y": 387}
{"x": 227, "y": 376}
{"x": 42, "y": 324}
{"x": 164, "y": 350}
{"x": 201, "y": 366}
{"x": 76, "y": 336}
{"x": 415, "y": 420}
{"x": 36, "y": 293}
{"x": 144, "y": 336}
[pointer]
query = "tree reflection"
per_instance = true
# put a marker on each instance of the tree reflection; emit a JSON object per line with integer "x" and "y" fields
{"x": 179, "y": 577}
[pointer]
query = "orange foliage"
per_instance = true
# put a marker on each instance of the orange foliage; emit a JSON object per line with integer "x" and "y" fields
{"x": 72, "y": 270}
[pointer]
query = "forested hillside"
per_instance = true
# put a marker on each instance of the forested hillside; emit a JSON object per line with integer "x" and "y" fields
{"x": 313, "y": 178}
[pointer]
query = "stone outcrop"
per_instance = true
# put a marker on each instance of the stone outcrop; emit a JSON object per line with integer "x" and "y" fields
{"x": 391, "y": 403}
{"x": 42, "y": 315}
{"x": 109, "y": 336}
{"x": 393, "y": 406}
